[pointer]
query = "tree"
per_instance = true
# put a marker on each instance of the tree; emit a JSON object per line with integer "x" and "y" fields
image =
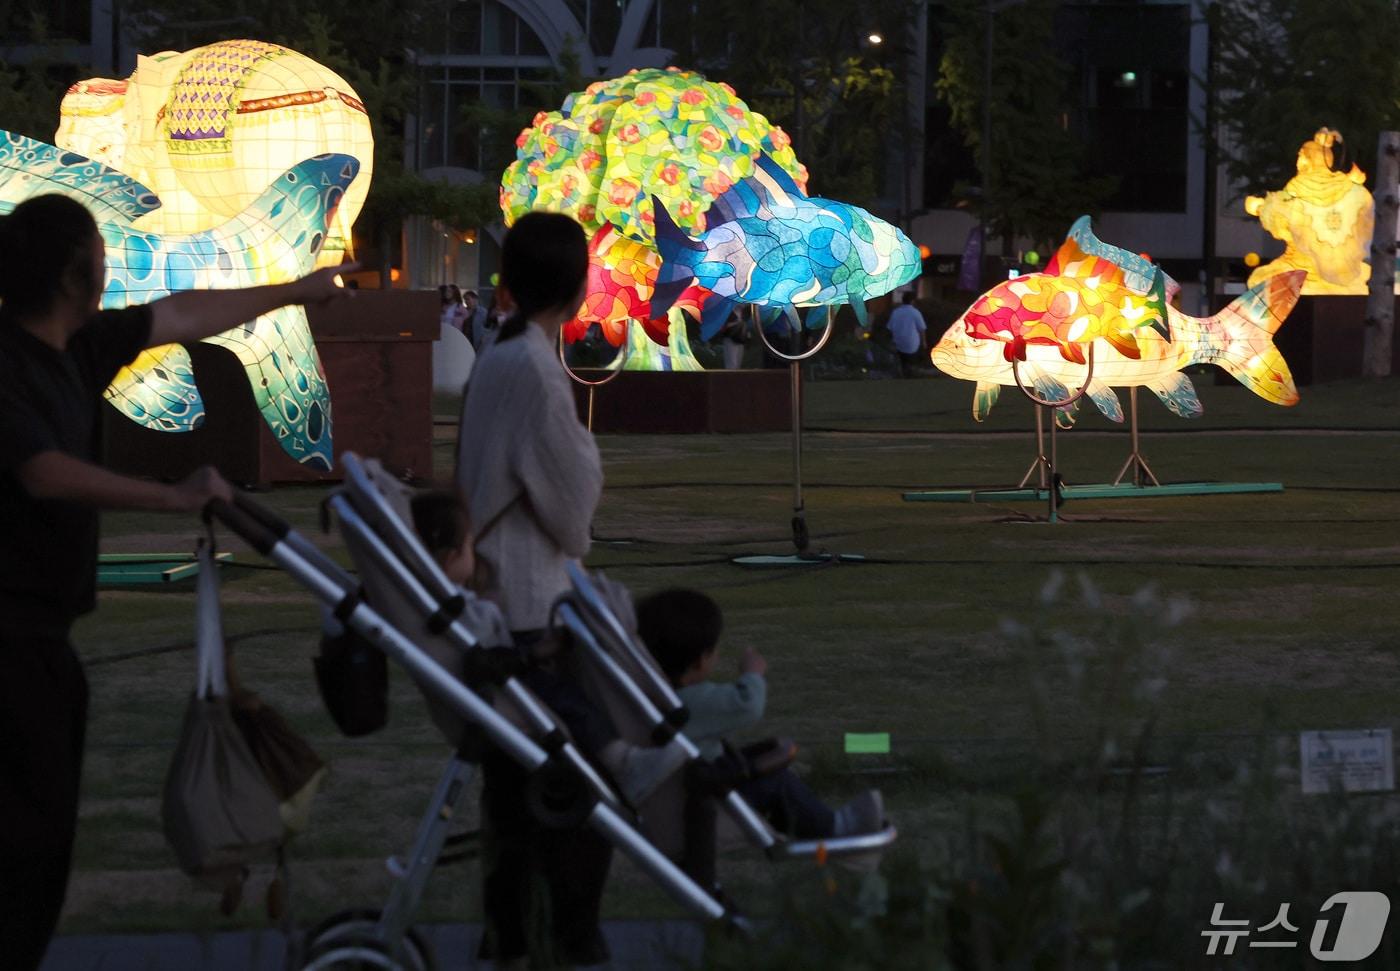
{"x": 1285, "y": 68}
{"x": 851, "y": 96}
{"x": 1037, "y": 185}
{"x": 30, "y": 92}
{"x": 498, "y": 128}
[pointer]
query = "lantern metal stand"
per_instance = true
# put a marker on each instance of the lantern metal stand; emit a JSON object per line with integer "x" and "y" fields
{"x": 1050, "y": 481}
{"x": 1144, "y": 484}
{"x": 620, "y": 360}
{"x": 801, "y": 538}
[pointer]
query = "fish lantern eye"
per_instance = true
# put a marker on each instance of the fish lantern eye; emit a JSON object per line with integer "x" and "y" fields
{"x": 1032, "y": 258}
{"x": 1251, "y": 260}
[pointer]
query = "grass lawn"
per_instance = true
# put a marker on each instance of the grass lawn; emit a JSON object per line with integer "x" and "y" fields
{"x": 1294, "y": 626}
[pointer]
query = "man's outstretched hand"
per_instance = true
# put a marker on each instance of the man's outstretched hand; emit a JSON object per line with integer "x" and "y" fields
{"x": 191, "y": 493}
{"x": 324, "y": 285}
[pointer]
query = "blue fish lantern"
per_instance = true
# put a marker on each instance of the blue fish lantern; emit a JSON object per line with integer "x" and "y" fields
{"x": 275, "y": 240}
{"x": 766, "y": 243}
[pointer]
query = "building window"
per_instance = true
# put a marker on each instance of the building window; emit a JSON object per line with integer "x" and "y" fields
{"x": 490, "y": 52}
{"x": 488, "y": 28}
{"x": 1132, "y": 70}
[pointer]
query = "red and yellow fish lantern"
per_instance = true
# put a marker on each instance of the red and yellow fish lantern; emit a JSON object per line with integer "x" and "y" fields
{"x": 1078, "y": 299}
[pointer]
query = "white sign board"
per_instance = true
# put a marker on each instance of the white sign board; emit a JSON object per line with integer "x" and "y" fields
{"x": 1359, "y": 761}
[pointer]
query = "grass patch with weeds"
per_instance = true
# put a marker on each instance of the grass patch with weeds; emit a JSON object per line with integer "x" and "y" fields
{"x": 1294, "y": 624}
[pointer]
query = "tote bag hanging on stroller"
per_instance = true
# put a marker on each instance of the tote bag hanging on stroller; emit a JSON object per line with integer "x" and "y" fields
{"x": 218, "y": 811}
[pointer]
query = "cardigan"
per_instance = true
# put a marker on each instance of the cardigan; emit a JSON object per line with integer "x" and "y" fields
{"x": 719, "y": 708}
{"x": 530, "y": 477}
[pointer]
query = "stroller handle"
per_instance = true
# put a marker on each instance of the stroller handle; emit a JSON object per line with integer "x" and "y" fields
{"x": 265, "y": 517}
{"x": 252, "y": 523}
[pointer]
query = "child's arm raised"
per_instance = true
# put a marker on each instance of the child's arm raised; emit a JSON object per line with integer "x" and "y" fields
{"x": 719, "y": 708}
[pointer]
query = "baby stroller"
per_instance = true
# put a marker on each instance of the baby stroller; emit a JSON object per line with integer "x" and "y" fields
{"x": 608, "y": 660}
{"x": 410, "y": 611}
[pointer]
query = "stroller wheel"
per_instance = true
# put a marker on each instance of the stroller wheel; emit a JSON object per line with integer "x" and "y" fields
{"x": 350, "y": 928}
{"x": 351, "y": 954}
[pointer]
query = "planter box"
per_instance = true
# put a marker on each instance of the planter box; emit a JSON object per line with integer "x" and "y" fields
{"x": 661, "y": 402}
{"x": 377, "y": 354}
{"x": 1323, "y": 339}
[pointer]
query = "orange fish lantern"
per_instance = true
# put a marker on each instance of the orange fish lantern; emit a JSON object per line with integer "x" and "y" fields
{"x": 1079, "y": 298}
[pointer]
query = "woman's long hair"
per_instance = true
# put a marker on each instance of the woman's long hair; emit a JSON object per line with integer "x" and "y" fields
{"x": 544, "y": 262}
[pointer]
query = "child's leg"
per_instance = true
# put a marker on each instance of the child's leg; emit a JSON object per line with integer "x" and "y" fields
{"x": 790, "y": 805}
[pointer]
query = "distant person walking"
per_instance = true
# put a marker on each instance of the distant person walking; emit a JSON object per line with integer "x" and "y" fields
{"x": 58, "y": 354}
{"x": 474, "y": 325}
{"x": 456, "y": 312}
{"x": 910, "y": 334}
{"x": 734, "y": 336}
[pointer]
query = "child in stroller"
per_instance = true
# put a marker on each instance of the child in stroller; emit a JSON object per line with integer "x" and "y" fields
{"x": 682, "y": 629}
{"x": 440, "y": 520}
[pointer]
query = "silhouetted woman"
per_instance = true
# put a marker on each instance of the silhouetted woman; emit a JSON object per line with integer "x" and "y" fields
{"x": 531, "y": 478}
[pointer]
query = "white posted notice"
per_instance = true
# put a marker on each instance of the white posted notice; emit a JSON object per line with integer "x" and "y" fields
{"x": 1355, "y": 761}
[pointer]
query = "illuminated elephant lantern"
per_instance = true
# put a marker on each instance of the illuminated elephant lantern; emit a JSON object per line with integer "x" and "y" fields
{"x": 1325, "y": 219}
{"x": 208, "y": 130}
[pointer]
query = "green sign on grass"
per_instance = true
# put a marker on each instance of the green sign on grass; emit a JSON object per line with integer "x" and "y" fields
{"x": 867, "y": 743}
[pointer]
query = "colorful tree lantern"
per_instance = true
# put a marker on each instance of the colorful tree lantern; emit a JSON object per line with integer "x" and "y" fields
{"x": 668, "y": 134}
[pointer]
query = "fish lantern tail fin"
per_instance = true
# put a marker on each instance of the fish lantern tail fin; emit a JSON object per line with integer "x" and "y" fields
{"x": 1249, "y": 324}
{"x": 299, "y": 205}
{"x": 714, "y": 315}
{"x": 679, "y": 256}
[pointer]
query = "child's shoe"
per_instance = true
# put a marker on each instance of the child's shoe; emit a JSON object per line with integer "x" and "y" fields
{"x": 863, "y": 814}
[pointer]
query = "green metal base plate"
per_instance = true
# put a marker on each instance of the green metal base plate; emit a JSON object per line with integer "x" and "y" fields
{"x": 1103, "y": 490}
{"x": 798, "y": 559}
{"x": 148, "y": 569}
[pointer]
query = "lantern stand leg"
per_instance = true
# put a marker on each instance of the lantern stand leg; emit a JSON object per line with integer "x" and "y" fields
{"x": 1041, "y": 462}
{"x": 1142, "y": 472}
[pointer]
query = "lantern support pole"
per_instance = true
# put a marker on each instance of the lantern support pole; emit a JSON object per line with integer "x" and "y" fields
{"x": 801, "y": 537}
